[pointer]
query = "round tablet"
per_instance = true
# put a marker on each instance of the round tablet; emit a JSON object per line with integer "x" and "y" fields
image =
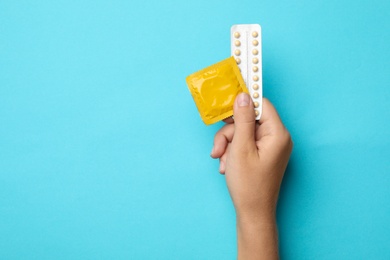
{"x": 255, "y": 95}
{"x": 255, "y": 69}
{"x": 237, "y": 52}
{"x": 255, "y": 42}
{"x": 255, "y": 60}
{"x": 255, "y": 52}
{"x": 255, "y": 34}
{"x": 255, "y": 78}
{"x": 255, "y": 87}
{"x": 256, "y": 104}
{"x": 237, "y": 43}
{"x": 237, "y": 35}
{"x": 238, "y": 60}
{"x": 256, "y": 112}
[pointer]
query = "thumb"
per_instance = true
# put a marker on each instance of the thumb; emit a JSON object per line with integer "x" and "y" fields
{"x": 244, "y": 122}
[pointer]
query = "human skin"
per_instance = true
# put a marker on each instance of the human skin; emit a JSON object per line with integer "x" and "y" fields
{"x": 254, "y": 156}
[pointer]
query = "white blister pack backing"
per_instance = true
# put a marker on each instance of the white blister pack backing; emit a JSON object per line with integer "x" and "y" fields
{"x": 246, "y": 49}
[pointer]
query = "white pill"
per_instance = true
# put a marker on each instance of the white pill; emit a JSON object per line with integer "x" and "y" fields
{"x": 255, "y": 60}
{"x": 237, "y": 52}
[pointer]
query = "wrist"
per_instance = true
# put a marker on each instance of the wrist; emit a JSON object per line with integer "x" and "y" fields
{"x": 256, "y": 220}
{"x": 250, "y": 216}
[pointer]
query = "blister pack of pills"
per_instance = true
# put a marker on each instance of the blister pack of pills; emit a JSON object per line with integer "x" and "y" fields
{"x": 246, "y": 49}
{"x": 215, "y": 88}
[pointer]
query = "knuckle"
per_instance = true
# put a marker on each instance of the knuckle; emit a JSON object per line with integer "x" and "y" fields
{"x": 289, "y": 143}
{"x": 286, "y": 140}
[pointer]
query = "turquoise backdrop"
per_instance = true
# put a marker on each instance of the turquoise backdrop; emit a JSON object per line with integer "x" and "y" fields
{"x": 103, "y": 154}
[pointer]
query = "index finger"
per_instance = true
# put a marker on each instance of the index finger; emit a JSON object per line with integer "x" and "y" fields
{"x": 229, "y": 120}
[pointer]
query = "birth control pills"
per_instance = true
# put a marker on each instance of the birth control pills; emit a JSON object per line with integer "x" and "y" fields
{"x": 246, "y": 49}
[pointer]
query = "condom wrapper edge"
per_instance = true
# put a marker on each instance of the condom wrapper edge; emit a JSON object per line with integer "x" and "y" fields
{"x": 215, "y": 88}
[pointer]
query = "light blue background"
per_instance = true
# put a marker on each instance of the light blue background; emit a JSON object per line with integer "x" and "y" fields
{"x": 104, "y": 156}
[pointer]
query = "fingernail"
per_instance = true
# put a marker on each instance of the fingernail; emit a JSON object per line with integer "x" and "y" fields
{"x": 243, "y": 100}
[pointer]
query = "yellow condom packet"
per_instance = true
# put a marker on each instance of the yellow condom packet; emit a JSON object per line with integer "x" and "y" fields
{"x": 215, "y": 88}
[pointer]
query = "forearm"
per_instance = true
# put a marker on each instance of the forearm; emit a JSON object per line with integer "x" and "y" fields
{"x": 257, "y": 238}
